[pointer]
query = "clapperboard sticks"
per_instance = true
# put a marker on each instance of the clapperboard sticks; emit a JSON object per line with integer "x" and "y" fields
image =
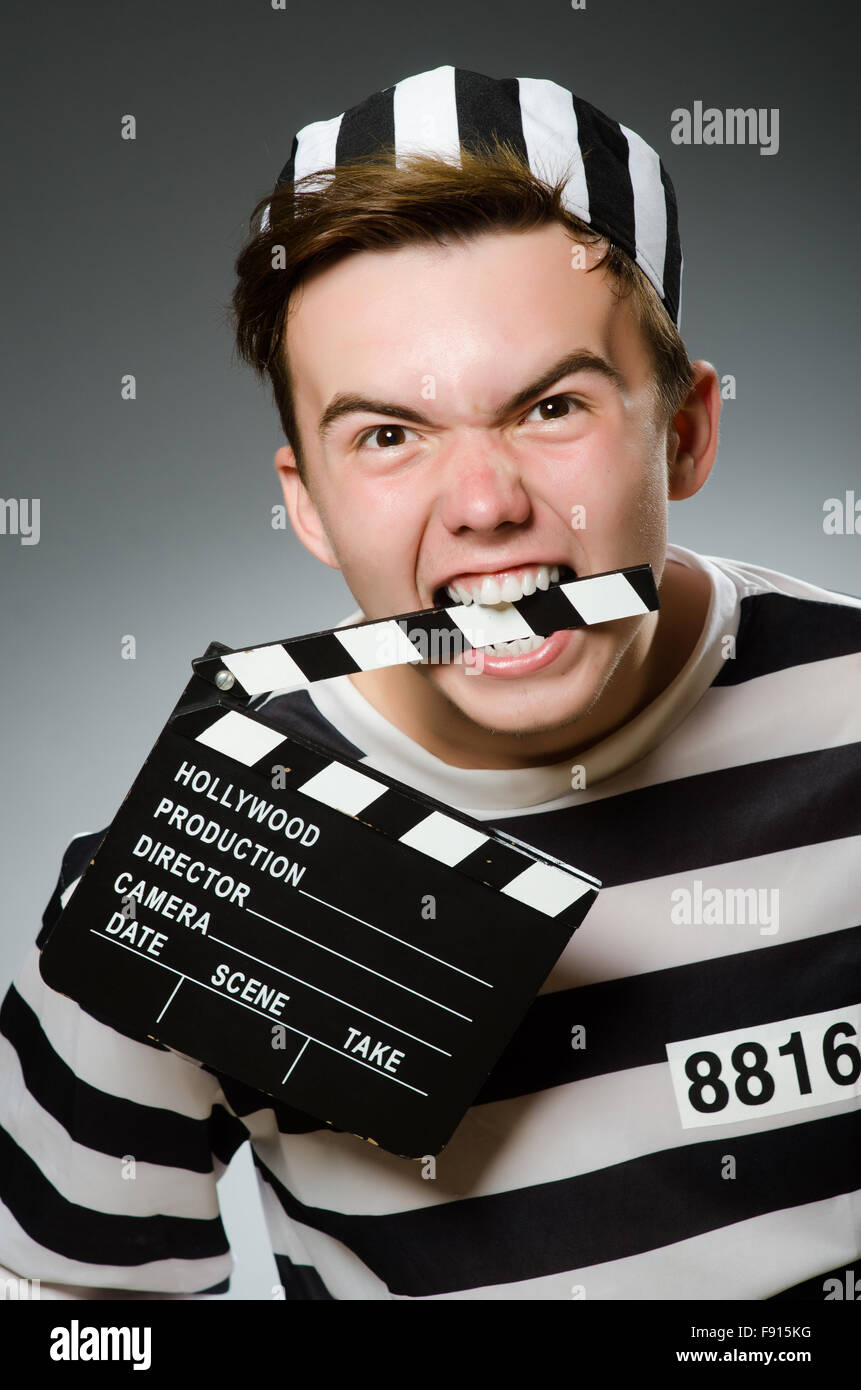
{"x": 391, "y": 1023}
{"x": 432, "y": 634}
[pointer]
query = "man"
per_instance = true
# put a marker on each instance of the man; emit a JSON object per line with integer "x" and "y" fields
{"x": 481, "y": 383}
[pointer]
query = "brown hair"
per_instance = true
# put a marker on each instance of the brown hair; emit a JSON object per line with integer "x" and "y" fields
{"x": 372, "y": 204}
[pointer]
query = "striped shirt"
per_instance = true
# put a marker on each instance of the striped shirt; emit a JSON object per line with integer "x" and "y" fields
{"x": 677, "y": 1115}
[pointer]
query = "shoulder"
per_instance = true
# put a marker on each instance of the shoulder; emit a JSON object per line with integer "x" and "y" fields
{"x": 75, "y": 858}
{"x": 786, "y": 621}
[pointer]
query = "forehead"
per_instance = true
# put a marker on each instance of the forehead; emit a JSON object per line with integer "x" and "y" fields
{"x": 480, "y": 314}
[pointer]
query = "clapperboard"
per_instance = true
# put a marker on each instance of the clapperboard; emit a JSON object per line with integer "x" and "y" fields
{"x": 313, "y": 927}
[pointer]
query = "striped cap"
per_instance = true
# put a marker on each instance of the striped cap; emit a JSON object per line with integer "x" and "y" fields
{"x": 615, "y": 181}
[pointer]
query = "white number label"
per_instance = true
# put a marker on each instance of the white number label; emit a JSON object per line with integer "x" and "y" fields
{"x": 769, "y": 1069}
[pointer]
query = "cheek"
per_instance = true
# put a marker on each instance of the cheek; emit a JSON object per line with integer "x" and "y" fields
{"x": 647, "y": 514}
{"x": 600, "y": 486}
{"x": 377, "y": 532}
{"x": 612, "y": 492}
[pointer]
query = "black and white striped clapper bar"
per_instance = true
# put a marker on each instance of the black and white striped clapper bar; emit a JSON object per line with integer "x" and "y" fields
{"x": 437, "y": 634}
{"x": 309, "y": 926}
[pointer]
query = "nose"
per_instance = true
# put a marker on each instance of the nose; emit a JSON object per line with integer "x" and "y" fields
{"x": 482, "y": 490}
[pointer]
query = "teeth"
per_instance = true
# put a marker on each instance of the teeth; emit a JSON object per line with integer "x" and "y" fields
{"x": 490, "y": 590}
{"x": 516, "y": 648}
{"x": 510, "y": 589}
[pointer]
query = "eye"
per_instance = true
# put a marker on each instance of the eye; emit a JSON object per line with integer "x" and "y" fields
{"x": 565, "y": 399}
{"x": 387, "y": 430}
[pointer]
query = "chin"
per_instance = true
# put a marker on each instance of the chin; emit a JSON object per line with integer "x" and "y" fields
{"x": 518, "y": 716}
{"x": 525, "y": 729}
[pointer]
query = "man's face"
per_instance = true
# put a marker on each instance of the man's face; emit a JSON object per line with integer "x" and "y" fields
{"x": 459, "y": 475}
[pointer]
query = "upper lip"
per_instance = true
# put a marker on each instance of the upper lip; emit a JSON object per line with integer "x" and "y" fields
{"x": 496, "y": 568}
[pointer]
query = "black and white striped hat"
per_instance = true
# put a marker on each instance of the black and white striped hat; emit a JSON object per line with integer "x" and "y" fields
{"x": 616, "y": 182}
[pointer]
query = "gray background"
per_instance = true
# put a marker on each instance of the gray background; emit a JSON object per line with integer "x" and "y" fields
{"x": 118, "y": 257}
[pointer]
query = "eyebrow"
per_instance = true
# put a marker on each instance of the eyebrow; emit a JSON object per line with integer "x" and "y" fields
{"x": 581, "y": 360}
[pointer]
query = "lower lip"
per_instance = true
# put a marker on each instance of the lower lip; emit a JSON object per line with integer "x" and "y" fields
{"x": 513, "y": 666}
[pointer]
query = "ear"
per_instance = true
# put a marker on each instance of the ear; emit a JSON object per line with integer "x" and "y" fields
{"x": 692, "y": 435}
{"x": 301, "y": 509}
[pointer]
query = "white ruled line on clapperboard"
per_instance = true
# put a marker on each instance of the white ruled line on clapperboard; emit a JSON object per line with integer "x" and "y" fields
{"x": 410, "y": 945}
{"x": 350, "y": 961}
